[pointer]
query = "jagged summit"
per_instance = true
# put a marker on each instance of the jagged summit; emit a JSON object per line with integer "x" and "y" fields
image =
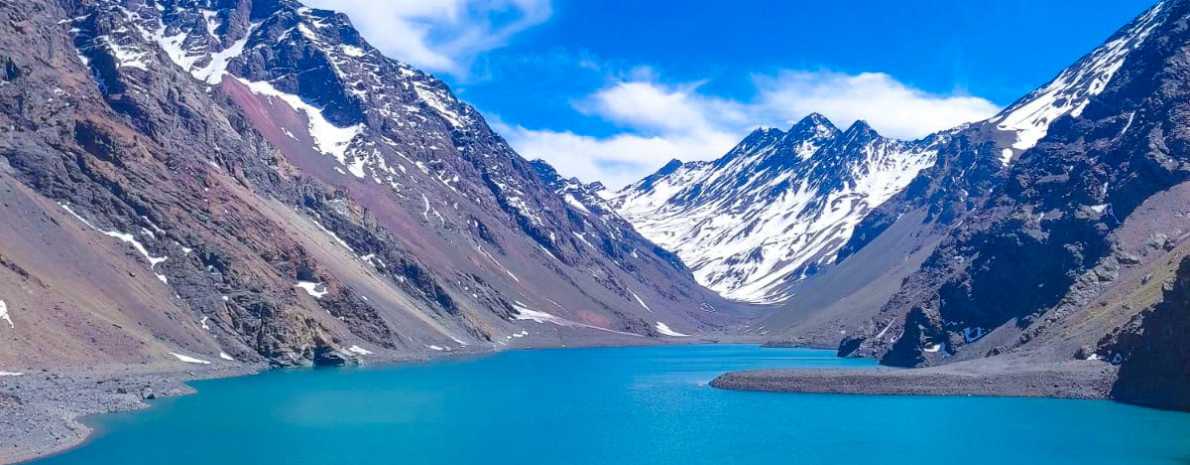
{"x": 670, "y": 166}
{"x": 860, "y": 127}
{"x": 776, "y": 207}
{"x": 812, "y": 120}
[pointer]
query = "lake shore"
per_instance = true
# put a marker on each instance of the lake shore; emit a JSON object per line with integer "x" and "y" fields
{"x": 1063, "y": 380}
{"x": 42, "y": 412}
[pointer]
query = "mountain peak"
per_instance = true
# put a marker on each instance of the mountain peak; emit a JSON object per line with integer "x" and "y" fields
{"x": 860, "y": 125}
{"x": 670, "y": 167}
{"x": 813, "y": 120}
{"x": 859, "y": 132}
{"x": 764, "y": 132}
{"x": 813, "y": 126}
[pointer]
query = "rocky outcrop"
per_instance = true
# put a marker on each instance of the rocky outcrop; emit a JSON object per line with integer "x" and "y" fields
{"x": 1152, "y": 351}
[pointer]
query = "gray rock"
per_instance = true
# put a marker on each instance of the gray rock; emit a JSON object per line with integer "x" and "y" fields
{"x": 1128, "y": 259}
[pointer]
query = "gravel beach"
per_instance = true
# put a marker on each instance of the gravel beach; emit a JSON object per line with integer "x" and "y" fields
{"x": 1070, "y": 380}
{"x": 40, "y": 412}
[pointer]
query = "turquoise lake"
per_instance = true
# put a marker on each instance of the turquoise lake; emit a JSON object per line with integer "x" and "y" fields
{"x": 610, "y": 406}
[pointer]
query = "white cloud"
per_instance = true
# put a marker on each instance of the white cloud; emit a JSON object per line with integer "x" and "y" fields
{"x": 616, "y": 160}
{"x": 894, "y": 109}
{"x": 661, "y": 122}
{"x": 439, "y": 35}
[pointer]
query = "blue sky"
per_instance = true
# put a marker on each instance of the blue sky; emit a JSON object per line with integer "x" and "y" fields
{"x": 610, "y": 90}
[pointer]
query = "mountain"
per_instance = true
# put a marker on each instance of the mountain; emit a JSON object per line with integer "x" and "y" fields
{"x": 781, "y": 206}
{"x": 778, "y": 207}
{"x": 1070, "y": 231}
{"x": 1049, "y": 233}
{"x": 896, "y": 238}
{"x": 200, "y": 181}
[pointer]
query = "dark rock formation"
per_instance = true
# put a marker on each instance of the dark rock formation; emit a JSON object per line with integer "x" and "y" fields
{"x": 1153, "y": 354}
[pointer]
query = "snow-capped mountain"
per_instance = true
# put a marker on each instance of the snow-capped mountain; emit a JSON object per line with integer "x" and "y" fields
{"x": 1051, "y": 235}
{"x": 783, "y": 205}
{"x": 777, "y": 207}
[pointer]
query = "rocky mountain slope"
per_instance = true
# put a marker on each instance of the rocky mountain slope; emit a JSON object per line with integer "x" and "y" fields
{"x": 235, "y": 180}
{"x": 1076, "y": 217}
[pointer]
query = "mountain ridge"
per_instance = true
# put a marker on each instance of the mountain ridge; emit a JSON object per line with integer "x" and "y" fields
{"x": 297, "y": 197}
{"x": 755, "y": 185}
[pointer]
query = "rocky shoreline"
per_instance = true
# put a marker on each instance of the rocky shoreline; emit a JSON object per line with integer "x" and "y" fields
{"x": 1064, "y": 380}
{"x": 41, "y": 413}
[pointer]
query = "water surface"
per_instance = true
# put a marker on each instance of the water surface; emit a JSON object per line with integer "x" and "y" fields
{"x": 610, "y": 406}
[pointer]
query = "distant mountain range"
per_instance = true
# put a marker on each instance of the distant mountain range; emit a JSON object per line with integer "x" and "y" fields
{"x": 778, "y": 207}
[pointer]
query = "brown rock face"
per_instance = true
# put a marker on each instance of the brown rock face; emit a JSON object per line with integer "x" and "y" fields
{"x": 251, "y": 180}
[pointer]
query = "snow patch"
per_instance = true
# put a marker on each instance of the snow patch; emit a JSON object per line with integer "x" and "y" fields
{"x": 312, "y": 288}
{"x": 123, "y": 237}
{"x": 639, "y": 301}
{"x": 189, "y": 359}
{"x": 576, "y": 204}
{"x": 525, "y": 313}
{"x": 329, "y": 138}
{"x": 1006, "y": 156}
{"x": 4, "y": 315}
{"x": 663, "y": 329}
{"x": 214, "y": 71}
{"x": 359, "y": 350}
{"x": 126, "y": 57}
{"x": 438, "y": 101}
{"x": 1071, "y": 91}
